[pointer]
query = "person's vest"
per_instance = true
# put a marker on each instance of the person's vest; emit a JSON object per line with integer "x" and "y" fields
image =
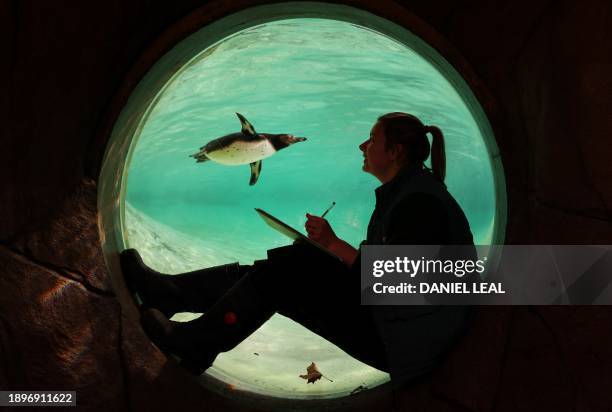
{"x": 416, "y": 337}
{"x": 423, "y": 181}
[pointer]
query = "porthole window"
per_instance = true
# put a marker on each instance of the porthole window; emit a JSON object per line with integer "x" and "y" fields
{"x": 325, "y": 74}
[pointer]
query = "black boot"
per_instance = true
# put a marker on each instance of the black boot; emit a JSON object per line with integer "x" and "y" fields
{"x": 190, "y": 292}
{"x": 240, "y": 312}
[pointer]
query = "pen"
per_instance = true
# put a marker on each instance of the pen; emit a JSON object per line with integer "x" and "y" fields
{"x": 328, "y": 209}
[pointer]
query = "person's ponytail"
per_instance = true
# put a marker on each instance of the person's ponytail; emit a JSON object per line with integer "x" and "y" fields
{"x": 438, "y": 155}
{"x": 407, "y": 130}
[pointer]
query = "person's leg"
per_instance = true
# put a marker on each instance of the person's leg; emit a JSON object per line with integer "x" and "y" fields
{"x": 309, "y": 286}
{"x": 194, "y": 291}
{"x": 325, "y": 298}
{"x": 241, "y": 311}
{"x": 350, "y": 329}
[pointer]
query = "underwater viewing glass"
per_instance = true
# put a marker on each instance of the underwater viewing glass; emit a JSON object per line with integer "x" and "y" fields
{"x": 326, "y": 80}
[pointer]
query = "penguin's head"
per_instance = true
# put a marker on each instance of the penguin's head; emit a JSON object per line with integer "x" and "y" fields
{"x": 280, "y": 141}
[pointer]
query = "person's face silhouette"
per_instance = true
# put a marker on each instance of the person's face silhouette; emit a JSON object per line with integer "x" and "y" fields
{"x": 379, "y": 161}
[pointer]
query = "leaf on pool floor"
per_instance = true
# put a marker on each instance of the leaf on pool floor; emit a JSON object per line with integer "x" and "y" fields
{"x": 313, "y": 374}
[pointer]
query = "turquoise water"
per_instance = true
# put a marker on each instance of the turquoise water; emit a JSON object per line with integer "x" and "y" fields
{"x": 322, "y": 79}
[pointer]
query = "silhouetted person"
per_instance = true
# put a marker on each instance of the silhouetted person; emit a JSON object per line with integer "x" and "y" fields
{"x": 319, "y": 291}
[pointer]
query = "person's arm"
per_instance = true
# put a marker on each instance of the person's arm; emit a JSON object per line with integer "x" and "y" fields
{"x": 343, "y": 250}
{"x": 320, "y": 231}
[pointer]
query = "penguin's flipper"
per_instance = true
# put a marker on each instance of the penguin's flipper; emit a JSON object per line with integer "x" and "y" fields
{"x": 247, "y": 128}
{"x": 255, "y": 171}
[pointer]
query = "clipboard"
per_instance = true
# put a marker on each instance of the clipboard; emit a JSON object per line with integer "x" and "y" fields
{"x": 290, "y": 232}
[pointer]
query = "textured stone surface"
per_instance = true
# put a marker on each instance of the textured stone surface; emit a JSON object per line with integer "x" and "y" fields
{"x": 559, "y": 227}
{"x": 470, "y": 376}
{"x": 58, "y": 336}
{"x": 557, "y": 102}
{"x": 534, "y": 373}
{"x": 584, "y": 363}
{"x": 147, "y": 371}
{"x": 70, "y": 239}
{"x": 66, "y": 62}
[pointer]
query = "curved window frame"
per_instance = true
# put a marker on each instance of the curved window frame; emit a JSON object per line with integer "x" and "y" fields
{"x": 133, "y": 115}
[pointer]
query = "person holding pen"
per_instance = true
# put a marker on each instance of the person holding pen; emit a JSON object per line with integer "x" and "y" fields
{"x": 317, "y": 290}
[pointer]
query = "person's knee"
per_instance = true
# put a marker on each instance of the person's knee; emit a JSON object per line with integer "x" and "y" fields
{"x": 298, "y": 252}
{"x": 282, "y": 253}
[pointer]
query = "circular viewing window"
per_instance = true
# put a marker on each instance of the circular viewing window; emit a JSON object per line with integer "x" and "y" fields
{"x": 286, "y": 72}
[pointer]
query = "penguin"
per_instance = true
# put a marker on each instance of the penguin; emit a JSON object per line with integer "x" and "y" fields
{"x": 246, "y": 146}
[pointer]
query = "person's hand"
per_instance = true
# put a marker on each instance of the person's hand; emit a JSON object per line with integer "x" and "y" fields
{"x": 319, "y": 230}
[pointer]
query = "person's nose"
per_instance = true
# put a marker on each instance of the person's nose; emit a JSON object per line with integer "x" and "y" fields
{"x": 363, "y": 146}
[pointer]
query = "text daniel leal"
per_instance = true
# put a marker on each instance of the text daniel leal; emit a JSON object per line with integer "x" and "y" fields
{"x": 443, "y": 287}
{"x": 457, "y": 287}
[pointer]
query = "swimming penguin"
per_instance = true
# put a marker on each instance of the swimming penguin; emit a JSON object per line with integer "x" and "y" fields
{"x": 246, "y": 146}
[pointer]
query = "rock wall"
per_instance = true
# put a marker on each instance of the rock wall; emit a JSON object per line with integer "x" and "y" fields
{"x": 544, "y": 66}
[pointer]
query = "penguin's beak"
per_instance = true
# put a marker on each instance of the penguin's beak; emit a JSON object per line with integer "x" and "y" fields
{"x": 292, "y": 139}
